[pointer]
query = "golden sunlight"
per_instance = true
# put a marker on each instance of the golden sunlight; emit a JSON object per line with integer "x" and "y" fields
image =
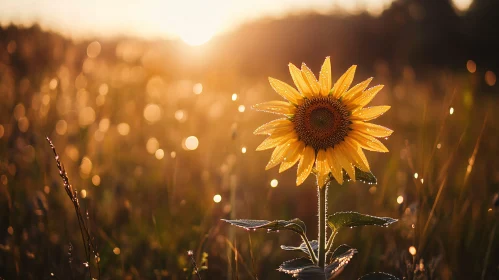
{"x": 193, "y": 21}
{"x": 462, "y": 5}
{"x": 196, "y": 37}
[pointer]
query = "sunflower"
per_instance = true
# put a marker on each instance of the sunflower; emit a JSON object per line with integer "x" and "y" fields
{"x": 322, "y": 124}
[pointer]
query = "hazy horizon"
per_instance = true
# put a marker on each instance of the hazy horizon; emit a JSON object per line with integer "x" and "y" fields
{"x": 157, "y": 19}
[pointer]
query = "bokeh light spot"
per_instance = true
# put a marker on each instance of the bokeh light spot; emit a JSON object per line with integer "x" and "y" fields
{"x": 86, "y": 166}
{"x": 152, "y": 145}
{"x": 104, "y": 124}
{"x": 217, "y": 198}
{"x": 152, "y": 113}
{"x": 96, "y": 180}
{"x": 116, "y": 251}
{"x": 181, "y": 116}
{"x": 86, "y": 116}
{"x": 83, "y": 193}
{"x": 462, "y": 5}
{"x": 4, "y": 180}
{"x": 451, "y": 110}
{"x": 412, "y": 250}
{"x": 103, "y": 89}
{"x": 61, "y": 127}
{"x": 471, "y": 66}
{"x": 93, "y": 49}
{"x": 197, "y": 88}
{"x": 191, "y": 143}
{"x": 23, "y": 124}
{"x": 234, "y": 96}
{"x": 159, "y": 154}
{"x": 72, "y": 152}
{"x": 243, "y": 150}
{"x": 53, "y": 84}
{"x": 123, "y": 128}
{"x": 400, "y": 199}
{"x": 490, "y": 78}
{"x": 241, "y": 108}
{"x": 274, "y": 183}
{"x": 19, "y": 111}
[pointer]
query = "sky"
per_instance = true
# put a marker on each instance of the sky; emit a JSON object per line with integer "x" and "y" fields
{"x": 191, "y": 20}
{"x": 194, "y": 21}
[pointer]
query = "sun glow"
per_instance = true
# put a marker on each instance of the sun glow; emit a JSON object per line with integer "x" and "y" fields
{"x": 196, "y": 37}
{"x": 193, "y": 21}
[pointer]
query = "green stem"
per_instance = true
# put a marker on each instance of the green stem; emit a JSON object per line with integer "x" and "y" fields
{"x": 309, "y": 247}
{"x": 322, "y": 225}
{"x": 330, "y": 241}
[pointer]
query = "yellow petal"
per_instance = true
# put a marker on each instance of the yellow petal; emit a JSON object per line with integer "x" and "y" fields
{"x": 357, "y": 154}
{"x": 346, "y": 164}
{"x": 299, "y": 81}
{"x": 344, "y": 82}
{"x": 279, "y": 153}
{"x": 371, "y": 129}
{"x": 274, "y": 126}
{"x": 286, "y": 91}
{"x": 276, "y": 139}
{"x": 325, "y": 77}
{"x": 367, "y": 114}
{"x": 276, "y": 107}
{"x": 365, "y": 97}
{"x": 305, "y": 165}
{"x": 294, "y": 153}
{"x": 309, "y": 77}
{"x": 322, "y": 168}
{"x": 334, "y": 165}
{"x": 356, "y": 90}
{"x": 368, "y": 142}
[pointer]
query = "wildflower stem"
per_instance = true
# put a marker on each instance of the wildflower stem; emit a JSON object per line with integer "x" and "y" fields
{"x": 330, "y": 241}
{"x": 309, "y": 247}
{"x": 322, "y": 225}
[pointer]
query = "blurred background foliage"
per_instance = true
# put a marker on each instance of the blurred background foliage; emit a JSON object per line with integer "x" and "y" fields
{"x": 157, "y": 138}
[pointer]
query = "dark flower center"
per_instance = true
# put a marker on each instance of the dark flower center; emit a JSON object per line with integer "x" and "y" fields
{"x": 321, "y": 122}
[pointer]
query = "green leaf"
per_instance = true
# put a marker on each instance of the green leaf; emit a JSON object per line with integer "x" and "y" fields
{"x": 296, "y": 265}
{"x": 341, "y": 257}
{"x": 353, "y": 219}
{"x": 364, "y": 177}
{"x": 295, "y": 225}
{"x": 378, "y": 276}
{"x": 310, "y": 273}
{"x": 303, "y": 247}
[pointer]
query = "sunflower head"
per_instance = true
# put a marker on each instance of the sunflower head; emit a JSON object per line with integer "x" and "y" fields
{"x": 322, "y": 124}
